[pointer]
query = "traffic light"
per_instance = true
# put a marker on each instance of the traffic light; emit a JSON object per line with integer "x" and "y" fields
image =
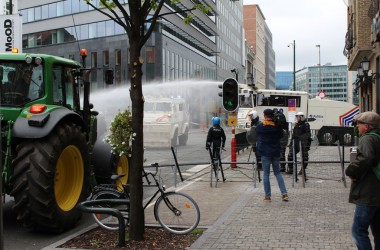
{"x": 230, "y": 95}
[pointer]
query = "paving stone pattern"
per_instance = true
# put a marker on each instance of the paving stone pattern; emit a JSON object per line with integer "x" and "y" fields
{"x": 317, "y": 216}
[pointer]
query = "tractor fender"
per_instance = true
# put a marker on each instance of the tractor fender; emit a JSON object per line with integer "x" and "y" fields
{"x": 103, "y": 160}
{"x": 39, "y": 126}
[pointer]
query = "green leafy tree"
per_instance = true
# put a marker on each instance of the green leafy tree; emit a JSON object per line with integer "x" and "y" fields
{"x": 133, "y": 15}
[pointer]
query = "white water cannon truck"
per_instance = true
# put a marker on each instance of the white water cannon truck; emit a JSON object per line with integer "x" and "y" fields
{"x": 329, "y": 120}
{"x": 166, "y": 122}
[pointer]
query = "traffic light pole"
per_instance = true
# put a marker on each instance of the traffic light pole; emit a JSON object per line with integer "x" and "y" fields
{"x": 230, "y": 100}
{"x": 233, "y": 149}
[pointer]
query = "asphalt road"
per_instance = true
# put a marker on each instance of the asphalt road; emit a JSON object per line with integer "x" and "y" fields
{"x": 17, "y": 237}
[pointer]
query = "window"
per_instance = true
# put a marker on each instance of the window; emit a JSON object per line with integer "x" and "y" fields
{"x": 67, "y": 7}
{"x": 149, "y": 54}
{"x": 117, "y": 57}
{"x": 45, "y": 11}
{"x": 60, "y": 9}
{"x": 110, "y": 28}
{"x": 117, "y": 66}
{"x": 63, "y": 87}
{"x": 276, "y": 100}
{"x": 37, "y": 13}
{"x": 92, "y": 30}
{"x": 83, "y": 32}
{"x": 101, "y": 28}
{"x": 106, "y": 58}
{"x": 30, "y": 15}
{"x": 52, "y": 10}
{"x": 94, "y": 64}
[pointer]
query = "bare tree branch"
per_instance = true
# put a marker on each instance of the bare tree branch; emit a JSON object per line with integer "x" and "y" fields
{"x": 119, "y": 21}
{"x": 170, "y": 13}
{"x": 125, "y": 14}
{"x": 116, "y": 18}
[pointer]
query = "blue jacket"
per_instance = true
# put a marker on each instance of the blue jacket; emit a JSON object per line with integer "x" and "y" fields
{"x": 268, "y": 139}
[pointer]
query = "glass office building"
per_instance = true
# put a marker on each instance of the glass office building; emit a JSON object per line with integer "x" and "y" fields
{"x": 284, "y": 80}
{"x": 331, "y": 79}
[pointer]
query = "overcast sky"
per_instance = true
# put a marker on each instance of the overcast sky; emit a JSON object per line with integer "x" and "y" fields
{"x": 308, "y": 22}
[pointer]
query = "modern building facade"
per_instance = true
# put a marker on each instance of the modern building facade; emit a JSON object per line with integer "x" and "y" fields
{"x": 207, "y": 49}
{"x": 231, "y": 50}
{"x": 284, "y": 80}
{"x": 270, "y": 60}
{"x": 254, "y": 25}
{"x": 332, "y": 80}
{"x": 362, "y": 49}
{"x": 250, "y": 70}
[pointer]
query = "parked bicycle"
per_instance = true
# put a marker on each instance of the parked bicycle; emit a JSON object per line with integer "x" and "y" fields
{"x": 216, "y": 165}
{"x": 176, "y": 212}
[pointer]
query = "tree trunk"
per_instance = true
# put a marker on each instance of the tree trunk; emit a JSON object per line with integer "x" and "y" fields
{"x": 137, "y": 218}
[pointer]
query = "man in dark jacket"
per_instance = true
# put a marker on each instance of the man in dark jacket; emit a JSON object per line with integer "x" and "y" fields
{"x": 215, "y": 137}
{"x": 281, "y": 122}
{"x": 251, "y": 135}
{"x": 301, "y": 133}
{"x": 365, "y": 185}
{"x": 269, "y": 148}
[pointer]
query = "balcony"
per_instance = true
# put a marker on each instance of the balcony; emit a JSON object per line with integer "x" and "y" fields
{"x": 359, "y": 41}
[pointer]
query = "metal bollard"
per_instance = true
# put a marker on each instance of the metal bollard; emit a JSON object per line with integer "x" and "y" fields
{"x": 84, "y": 206}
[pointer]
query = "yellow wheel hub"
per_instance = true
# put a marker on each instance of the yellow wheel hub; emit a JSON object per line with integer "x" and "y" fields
{"x": 122, "y": 168}
{"x": 69, "y": 176}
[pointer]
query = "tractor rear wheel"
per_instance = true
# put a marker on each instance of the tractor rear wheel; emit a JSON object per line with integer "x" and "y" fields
{"x": 107, "y": 163}
{"x": 51, "y": 176}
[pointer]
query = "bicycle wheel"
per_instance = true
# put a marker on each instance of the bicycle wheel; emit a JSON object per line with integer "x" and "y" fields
{"x": 106, "y": 221}
{"x": 177, "y": 212}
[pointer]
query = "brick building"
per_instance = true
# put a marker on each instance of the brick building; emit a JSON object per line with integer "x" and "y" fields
{"x": 362, "y": 48}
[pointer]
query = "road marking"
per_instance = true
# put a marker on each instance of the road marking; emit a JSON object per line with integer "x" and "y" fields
{"x": 197, "y": 168}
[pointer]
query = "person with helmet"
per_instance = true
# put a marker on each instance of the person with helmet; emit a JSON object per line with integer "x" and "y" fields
{"x": 254, "y": 117}
{"x": 301, "y": 133}
{"x": 215, "y": 137}
{"x": 251, "y": 135}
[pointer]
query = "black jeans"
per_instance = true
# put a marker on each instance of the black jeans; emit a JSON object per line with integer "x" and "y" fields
{"x": 305, "y": 155}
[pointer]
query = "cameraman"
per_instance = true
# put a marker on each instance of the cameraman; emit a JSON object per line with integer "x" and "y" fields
{"x": 280, "y": 120}
{"x": 251, "y": 135}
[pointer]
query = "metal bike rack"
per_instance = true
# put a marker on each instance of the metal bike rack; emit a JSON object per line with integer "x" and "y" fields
{"x": 87, "y": 207}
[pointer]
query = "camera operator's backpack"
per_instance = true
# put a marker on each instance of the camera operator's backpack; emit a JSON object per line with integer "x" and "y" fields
{"x": 280, "y": 120}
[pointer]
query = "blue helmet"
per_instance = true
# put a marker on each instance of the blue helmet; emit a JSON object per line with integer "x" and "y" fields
{"x": 216, "y": 121}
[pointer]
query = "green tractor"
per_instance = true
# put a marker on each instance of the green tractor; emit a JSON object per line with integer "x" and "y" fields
{"x": 51, "y": 154}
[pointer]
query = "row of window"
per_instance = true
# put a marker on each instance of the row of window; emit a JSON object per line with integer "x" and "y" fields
{"x": 57, "y": 9}
{"x": 175, "y": 67}
{"x": 70, "y": 34}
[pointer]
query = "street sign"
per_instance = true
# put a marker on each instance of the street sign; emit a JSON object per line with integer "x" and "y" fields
{"x": 232, "y": 119}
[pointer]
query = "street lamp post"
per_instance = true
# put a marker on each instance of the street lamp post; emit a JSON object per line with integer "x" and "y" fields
{"x": 319, "y": 67}
{"x": 294, "y": 63}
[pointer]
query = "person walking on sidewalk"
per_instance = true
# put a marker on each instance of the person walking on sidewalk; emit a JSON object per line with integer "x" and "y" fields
{"x": 269, "y": 148}
{"x": 364, "y": 173}
{"x": 301, "y": 133}
{"x": 251, "y": 135}
{"x": 215, "y": 138}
